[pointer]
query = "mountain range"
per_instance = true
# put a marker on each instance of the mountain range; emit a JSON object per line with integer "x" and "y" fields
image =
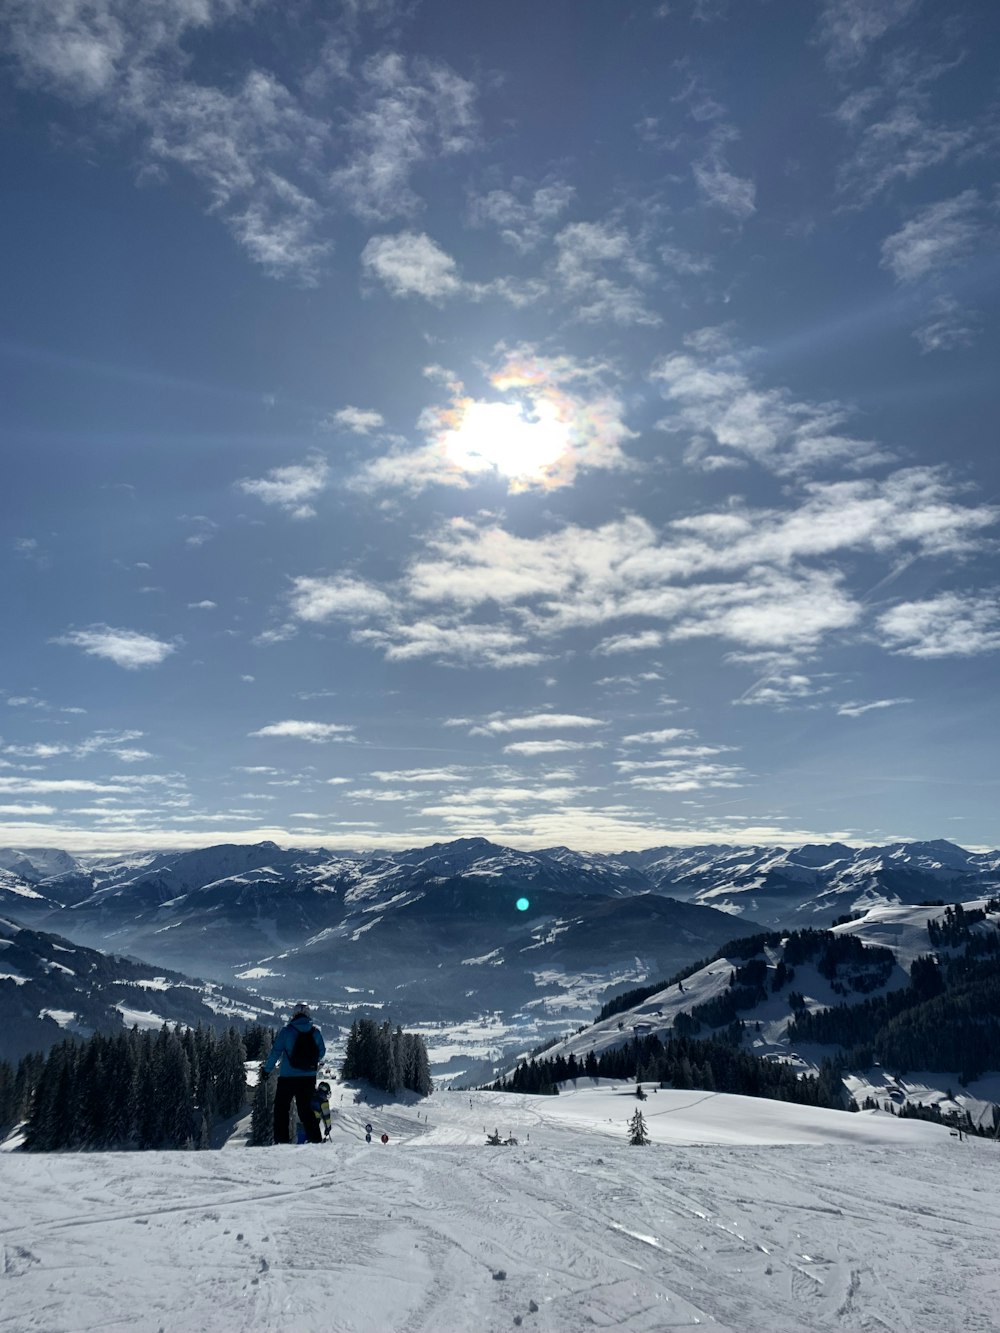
{"x": 453, "y": 930}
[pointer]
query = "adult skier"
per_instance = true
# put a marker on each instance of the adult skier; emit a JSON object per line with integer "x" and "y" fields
{"x": 297, "y": 1051}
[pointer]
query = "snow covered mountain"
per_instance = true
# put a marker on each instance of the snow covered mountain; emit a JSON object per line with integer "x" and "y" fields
{"x": 50, "y": 987}
{"x": 465, "y": 927}
{"x": 936, "y": 1028}
{"x": 450, "y": 930}
{"x": 814, "y": 884}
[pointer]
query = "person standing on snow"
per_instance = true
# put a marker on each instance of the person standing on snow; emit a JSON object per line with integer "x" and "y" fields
{"x": 297, "y": 1051}
{"x": 321, "y": 1107}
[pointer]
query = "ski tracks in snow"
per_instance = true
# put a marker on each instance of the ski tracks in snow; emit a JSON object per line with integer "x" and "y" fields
{"x": 425, "y": 1238}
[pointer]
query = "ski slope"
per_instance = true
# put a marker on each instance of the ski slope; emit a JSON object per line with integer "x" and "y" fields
{"x": 742, "y": 1214}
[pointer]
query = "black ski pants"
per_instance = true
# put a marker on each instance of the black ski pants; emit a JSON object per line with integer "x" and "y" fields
{"x": 301, "y": 1087}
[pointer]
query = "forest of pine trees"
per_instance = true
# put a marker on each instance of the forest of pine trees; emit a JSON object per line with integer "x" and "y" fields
{"x": 843, "y": 959}
{"x": 717, "y": 1065}
{"x": 948, "y": 1018}
{"x": 388, "y": 1058}
{"x": 132, "y": 1090}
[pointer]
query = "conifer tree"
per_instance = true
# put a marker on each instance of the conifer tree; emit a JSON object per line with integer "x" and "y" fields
{"x": 637, "y": 1134}
{"x": 230, "y": 1075}
{"x": 262, "y": 1115}
{"x": 7, "y": 1103}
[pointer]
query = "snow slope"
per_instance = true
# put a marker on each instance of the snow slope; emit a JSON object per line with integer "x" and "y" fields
{"x": 742, "y": 1215}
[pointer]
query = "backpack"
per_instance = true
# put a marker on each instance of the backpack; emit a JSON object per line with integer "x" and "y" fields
{"x": 304, "y": 1055}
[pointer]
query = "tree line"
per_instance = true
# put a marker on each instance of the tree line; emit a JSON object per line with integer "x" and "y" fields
{"x": 844, "y": 960}
{"x": 947, "y": 1018}
{"x": 387, "y": 1057}
{"x": 715, "y": 1065}
{"x": 131, "y": 1090}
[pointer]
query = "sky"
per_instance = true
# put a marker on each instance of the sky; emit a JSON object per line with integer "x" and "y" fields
{"x": 566, "y": 423}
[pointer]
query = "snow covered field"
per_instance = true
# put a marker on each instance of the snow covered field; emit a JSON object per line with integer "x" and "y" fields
{"x": 743, "y": 1214}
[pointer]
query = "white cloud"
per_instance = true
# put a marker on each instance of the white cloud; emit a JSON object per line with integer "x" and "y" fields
{"x": 897, "y": 138}
{"x": 949, "y": 625}
{"x": 130, "y": 62}
{"x": 849, "y": 28}
{"x": 291, "y": 488}
{"x": 407, "y": 114}
{"x": 531, "y": 748}
{"x": 948, "y": 327}
{"x": 27, "y": 809}
{"x": 317, "y": 733}
{"x": 451, "y": 773}
{"x": 716, "y": 398}
{"x": 664, "y": 736}
{"x": 783, "y": 690}
{"x": 459, "y": 641}
{"x": 205, "y": 605}
{"x": 640, "y": 641}
{"x": 58, "y": 786}
{"x": 358, "y": 420}
{"x": 691, "y": 777}
{"x": 739, "y": 574}
{"x": 587, "y": 252}
{"x": 319, "y": 599}
{"x": 523, "y": 215}
{"x": 497, "y": 726}
{"x": 851, "y": 709}
{"x": 411, "y": 264}
{"x": 937, "y": 236}
{"x": 40, "y": 750}
{"x": 723, "y": 188}
{"x": 717, "y": 184}
{"x": 267, "y": 165}
{"x": 125, "y": 647}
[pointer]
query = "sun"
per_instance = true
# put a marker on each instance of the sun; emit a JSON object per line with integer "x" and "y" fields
{"x": 505, "y": 437}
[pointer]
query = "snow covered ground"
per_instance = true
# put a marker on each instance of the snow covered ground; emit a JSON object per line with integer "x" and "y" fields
{"x": 743, "y": 1214}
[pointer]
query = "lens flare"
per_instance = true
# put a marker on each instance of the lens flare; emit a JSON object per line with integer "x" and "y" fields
{"x": 522, "y": 904}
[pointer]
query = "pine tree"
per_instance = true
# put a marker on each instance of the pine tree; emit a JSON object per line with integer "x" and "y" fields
{"x": 7, "y": 1100}
{"x": 637, "y": 1134}
{"x": 230, "y": 1075}
{"x": 262, "y": 1114}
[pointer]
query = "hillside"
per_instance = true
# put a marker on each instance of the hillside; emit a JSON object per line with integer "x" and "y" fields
{"x": 51, "y": 987}
{"x": 852, "y": 994}
{"x": 741, "y": 1215}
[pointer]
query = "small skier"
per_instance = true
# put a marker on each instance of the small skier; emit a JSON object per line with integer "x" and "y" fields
{"x": 321, "y": 1107}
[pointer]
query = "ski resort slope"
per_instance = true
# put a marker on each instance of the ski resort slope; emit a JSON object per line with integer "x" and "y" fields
{"x": 742, "y": 1214}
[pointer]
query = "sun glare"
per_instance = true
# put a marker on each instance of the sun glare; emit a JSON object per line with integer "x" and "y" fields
{"x": 501, "y": 436}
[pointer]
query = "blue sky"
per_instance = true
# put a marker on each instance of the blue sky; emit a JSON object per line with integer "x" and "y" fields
{"x": 566, "y": 423}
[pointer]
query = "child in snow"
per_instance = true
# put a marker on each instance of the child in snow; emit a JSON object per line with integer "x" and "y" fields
{"x": 321, "y": 1107}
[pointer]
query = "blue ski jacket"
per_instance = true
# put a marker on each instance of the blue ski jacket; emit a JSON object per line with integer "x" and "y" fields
{"x": 283, "y": 1044}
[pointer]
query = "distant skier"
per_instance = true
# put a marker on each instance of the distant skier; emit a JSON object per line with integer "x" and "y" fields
{"x": 299, "y": 1047}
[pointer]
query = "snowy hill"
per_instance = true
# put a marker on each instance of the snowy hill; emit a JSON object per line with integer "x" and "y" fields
{"x": 772, "y": 984}
{"x": 51, "y": 987}
{"x": 741, "y": 1215}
